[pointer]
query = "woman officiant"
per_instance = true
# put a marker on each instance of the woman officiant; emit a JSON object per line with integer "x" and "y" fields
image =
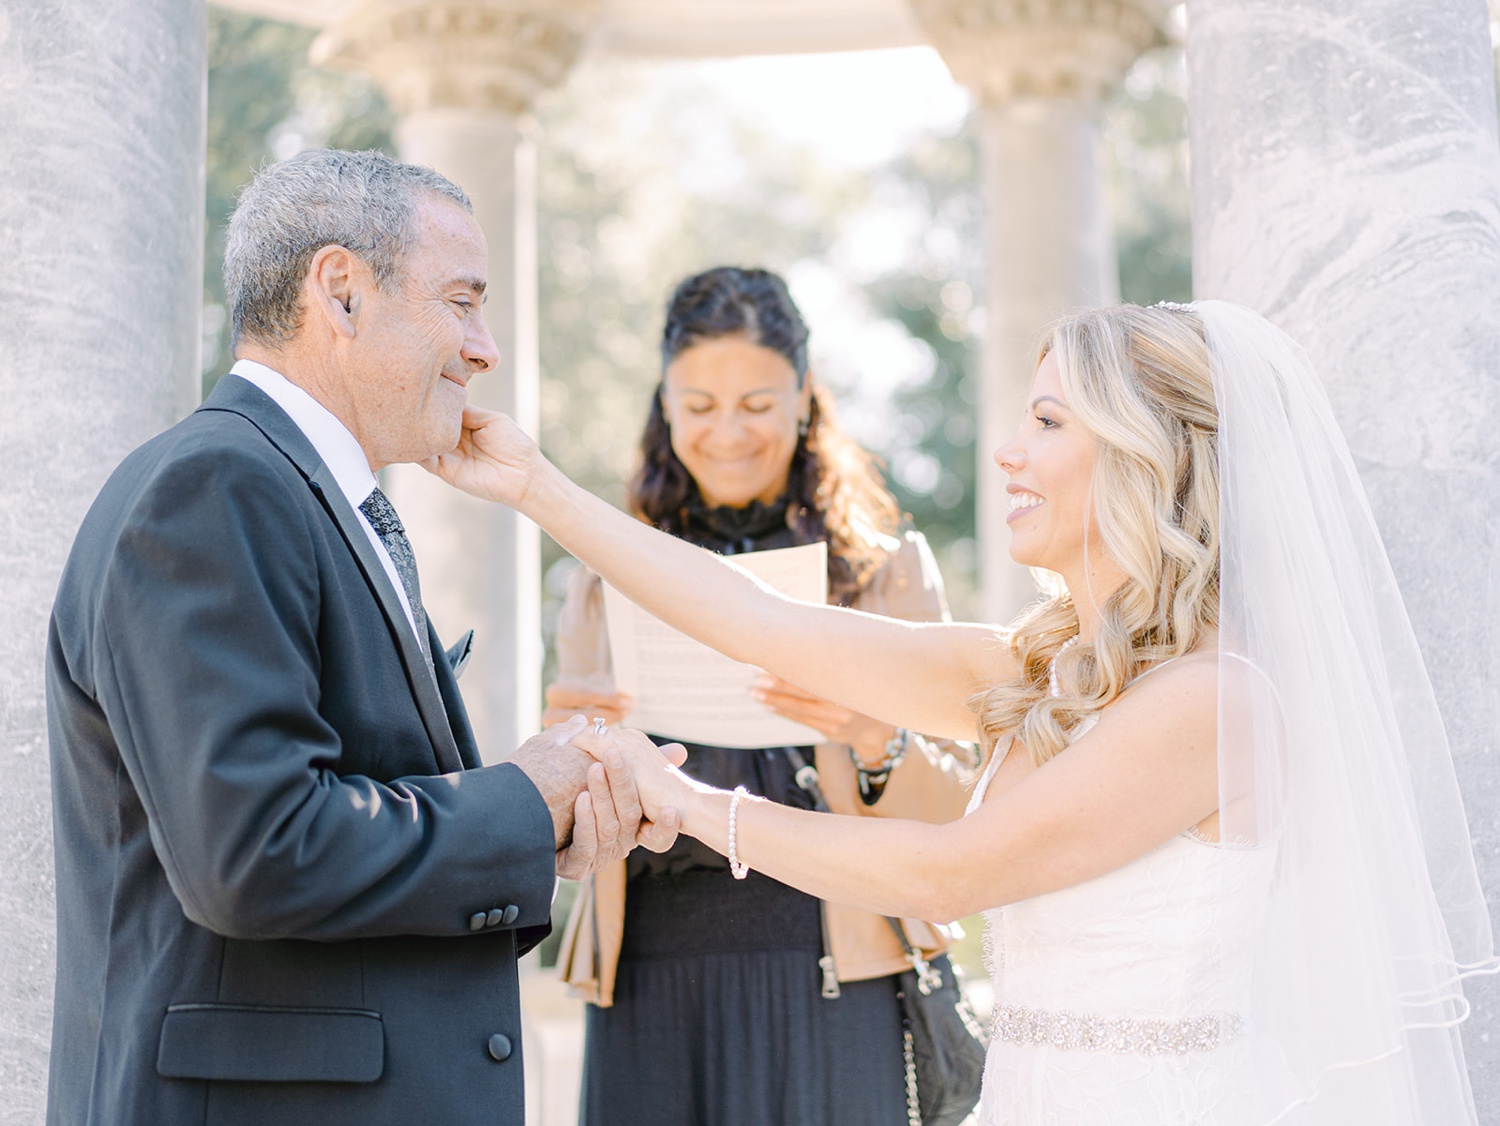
{"x": 723, "y": 1002}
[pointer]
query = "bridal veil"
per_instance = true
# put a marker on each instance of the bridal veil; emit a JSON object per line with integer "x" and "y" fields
{"x": 1332, "y": 755}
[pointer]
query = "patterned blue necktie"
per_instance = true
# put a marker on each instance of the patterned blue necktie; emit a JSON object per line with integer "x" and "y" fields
{"x": 382, "y": 517}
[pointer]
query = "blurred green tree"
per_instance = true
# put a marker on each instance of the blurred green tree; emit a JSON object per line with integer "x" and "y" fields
{"x": 1146, "y": 169}
{"x": 937, "y": 297}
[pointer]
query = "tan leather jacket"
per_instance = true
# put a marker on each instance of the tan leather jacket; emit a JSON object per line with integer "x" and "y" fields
{"x": 929, "y": 786}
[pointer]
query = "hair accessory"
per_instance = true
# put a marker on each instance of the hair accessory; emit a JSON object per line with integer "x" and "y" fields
{"x": 736, "y": 869}
{"x": 1175, "y": 306}
{"x": 599, "y": 725}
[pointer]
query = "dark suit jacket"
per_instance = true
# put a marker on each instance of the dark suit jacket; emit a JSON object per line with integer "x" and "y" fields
{"x": 287, "y": 891}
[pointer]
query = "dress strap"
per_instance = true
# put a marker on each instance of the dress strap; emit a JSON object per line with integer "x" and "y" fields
{"x": 1159, "y": 665}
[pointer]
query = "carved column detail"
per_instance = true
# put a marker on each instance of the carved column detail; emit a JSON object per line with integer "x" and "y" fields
{"x": 1005, "y": 49}
{"x": 494, "y": 56}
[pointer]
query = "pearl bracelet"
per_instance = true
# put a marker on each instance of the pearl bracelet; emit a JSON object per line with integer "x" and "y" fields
{"x": 736, "y": 869}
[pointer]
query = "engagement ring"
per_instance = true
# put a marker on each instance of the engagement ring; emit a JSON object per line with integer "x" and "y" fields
{"x": 598, "y": 725}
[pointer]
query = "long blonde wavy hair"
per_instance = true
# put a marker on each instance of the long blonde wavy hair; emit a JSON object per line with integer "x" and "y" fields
{"x": 1138, "y": 380}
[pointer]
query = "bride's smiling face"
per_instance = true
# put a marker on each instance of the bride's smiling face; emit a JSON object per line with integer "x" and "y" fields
{"x": 1050, "y": 463}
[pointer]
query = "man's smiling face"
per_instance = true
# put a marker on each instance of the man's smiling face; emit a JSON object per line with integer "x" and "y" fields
{"x": 421, "y": 341}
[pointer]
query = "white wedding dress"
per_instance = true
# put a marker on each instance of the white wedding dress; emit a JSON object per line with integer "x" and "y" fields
{"x": 1112, "y": 1004}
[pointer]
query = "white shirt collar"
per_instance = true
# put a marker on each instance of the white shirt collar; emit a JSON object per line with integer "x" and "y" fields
{"x": 340, "y": 452}
{"x": 330, "y": 437}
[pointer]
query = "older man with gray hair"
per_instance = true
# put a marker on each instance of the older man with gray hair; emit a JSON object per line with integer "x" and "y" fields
{"x": 287, "y": 890}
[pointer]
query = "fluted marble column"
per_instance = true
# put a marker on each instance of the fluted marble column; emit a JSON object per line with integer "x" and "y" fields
{"x": 461, "y": 76}
{"x": 101, "y": 235}
{"x": 1038, "y": 69}
{"x": 1346, "y": 183}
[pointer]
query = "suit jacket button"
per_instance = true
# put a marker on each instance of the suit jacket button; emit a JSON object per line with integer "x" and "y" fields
{"x": 494, "y": 917}
{"x": 500, "y": 1047}
{"x": 476, "y": 921}
{"x": 510, "y": 914}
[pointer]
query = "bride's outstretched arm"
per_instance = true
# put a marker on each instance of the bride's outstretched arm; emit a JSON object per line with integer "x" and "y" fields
{"x": 1146, "y": 773}
{"x": 915, "y": 675}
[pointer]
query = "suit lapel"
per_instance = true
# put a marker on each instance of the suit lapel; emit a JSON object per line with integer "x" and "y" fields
{"x": 241, "y": 397}
{"x": 458, "y": 716}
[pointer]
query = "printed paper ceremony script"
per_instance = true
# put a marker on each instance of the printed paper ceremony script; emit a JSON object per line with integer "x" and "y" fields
{"x": 684, "y": 690}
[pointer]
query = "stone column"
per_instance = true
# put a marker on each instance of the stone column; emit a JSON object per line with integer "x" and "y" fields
{"x": 1346, "y": 184}
{"x": 1038, "y": 70}
{"x": 461, "y": 76}
{"x": 101, "y": 233}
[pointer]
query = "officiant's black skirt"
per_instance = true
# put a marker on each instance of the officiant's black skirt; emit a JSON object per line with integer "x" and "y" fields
{"x": 719, "y": 1020}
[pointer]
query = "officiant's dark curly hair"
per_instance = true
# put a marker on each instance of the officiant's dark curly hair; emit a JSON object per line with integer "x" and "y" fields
{"x": 835, "y": 490}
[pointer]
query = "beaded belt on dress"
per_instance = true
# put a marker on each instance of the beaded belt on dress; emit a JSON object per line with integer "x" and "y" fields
{"x": 1096, "y": 1033}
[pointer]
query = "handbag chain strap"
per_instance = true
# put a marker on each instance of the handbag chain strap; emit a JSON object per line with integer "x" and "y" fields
{"x": 913, "y": 1102}
{"x": 929, "y": 977}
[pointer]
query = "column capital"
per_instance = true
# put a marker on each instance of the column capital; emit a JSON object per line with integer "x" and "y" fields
{"x": 1007, "y": 49}
{"x": 493, "y": 55}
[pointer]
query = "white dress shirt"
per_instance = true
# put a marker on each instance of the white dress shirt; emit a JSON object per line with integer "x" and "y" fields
{"x": 339, "y": 451}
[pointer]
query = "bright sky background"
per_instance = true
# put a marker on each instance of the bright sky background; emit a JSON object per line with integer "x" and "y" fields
{"x": 856, "y": 106}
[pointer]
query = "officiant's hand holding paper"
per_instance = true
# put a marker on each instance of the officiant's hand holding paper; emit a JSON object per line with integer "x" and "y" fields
{"x": 836, "y": 723}
{"x": 587, "y": 697}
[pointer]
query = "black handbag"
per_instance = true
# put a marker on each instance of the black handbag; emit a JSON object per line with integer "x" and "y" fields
{"x": 943, "y": 1043}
